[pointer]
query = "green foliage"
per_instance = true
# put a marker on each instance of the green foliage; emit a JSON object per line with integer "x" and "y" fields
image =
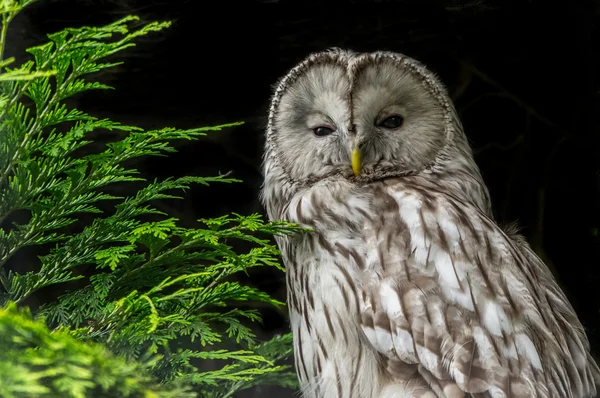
{"x": 158, "y": 300}
{"x": 37, "y": 362}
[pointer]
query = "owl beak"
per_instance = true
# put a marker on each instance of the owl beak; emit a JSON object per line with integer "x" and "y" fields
{"x": 356, "y": 161}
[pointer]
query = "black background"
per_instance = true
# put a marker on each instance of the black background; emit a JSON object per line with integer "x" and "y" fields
{"x": 523, "y": 76}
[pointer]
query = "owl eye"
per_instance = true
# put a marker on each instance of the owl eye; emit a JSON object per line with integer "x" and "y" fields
{"x": 322, "y": 131}
{"x": 391, "y": 122}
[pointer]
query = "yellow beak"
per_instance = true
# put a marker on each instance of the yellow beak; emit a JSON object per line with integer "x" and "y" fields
{"x": 356, "y": 161}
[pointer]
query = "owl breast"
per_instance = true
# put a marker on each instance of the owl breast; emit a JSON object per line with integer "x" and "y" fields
{"x": 327, "y": 273}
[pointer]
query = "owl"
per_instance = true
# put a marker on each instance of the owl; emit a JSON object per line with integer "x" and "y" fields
{"x": 402, "y": 284}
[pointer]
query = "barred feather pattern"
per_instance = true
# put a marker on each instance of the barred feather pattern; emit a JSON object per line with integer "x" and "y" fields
{"x": 406, "y": 287}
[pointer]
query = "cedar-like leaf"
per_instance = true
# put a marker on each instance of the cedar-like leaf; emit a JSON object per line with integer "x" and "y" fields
{"x": 144, "y": 284}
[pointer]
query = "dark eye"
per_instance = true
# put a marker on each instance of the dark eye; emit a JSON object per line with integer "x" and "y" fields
{"x": 392, "y": 122}
{"x": 322, "y": 131}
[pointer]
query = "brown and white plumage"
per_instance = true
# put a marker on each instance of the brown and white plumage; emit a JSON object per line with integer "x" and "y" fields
{"x": 406, "y": 287}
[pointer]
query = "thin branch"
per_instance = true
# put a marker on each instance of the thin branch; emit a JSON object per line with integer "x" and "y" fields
{"x": 486, "y": 78}
{"x": 494, "y": 145}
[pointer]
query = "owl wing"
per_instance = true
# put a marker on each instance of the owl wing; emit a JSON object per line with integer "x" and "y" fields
{"x": 465, "y": 305}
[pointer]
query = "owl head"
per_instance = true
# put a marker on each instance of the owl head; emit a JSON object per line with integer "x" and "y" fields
{"x": 361, "y": 117}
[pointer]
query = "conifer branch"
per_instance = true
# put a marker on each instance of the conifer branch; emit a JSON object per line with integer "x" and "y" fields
{"x": 152, "y": 283}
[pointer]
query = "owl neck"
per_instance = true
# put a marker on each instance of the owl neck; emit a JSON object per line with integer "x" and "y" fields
{"x": 456, "y": 171}
{"x": 277, "y": 190}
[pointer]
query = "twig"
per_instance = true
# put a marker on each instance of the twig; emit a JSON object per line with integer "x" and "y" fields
{"x": 486, "y": 78}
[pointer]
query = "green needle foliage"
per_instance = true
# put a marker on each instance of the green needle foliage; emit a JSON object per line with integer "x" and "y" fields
{"x": 155, "y": 302}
